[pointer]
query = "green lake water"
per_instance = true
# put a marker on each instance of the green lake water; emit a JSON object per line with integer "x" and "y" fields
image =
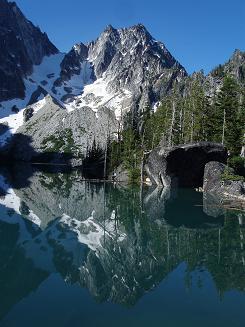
{"x": 79, "y": 253}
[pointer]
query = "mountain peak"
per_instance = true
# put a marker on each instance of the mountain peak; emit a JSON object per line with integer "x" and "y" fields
{"x": 79, "y": 47}
{"x": 109, "y": 28}
{"x": 140, "y": 27}
{"x": 137, "y": 28}
{"x": 238, "y": 54}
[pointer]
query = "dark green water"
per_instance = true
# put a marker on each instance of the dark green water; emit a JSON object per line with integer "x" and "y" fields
{"x": 75, "y": 253}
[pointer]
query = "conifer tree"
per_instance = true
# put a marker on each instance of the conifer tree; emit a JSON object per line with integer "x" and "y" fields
{"x": 229, "y": 125}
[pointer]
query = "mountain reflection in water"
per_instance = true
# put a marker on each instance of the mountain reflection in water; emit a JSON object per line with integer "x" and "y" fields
{"x": 115, "y": 241}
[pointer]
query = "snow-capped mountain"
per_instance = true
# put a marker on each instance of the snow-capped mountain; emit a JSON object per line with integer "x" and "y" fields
{"x": 54, "y": 101}
{"x": 120, "y": 70}
{"x": 123, "y": 70}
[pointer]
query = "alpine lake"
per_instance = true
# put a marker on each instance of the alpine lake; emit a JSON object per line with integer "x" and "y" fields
{"x": 75, "y": 252}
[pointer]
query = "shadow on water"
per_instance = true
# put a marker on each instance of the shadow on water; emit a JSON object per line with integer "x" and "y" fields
{"x": 110, "y": 239}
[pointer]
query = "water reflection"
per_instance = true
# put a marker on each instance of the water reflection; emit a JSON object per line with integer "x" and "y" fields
{"x": 113, "y": 240}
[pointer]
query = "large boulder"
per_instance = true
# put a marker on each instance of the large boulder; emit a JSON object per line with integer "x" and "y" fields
{"x": 183, "y": 165}
{"x": 220, "y": 190}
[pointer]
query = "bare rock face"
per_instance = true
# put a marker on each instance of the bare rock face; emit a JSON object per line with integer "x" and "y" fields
{"x": 183, "y": 165}
{"x": 120, "y": 175}
{"x": 54, "y": 134}
{"x": 218, "y": 189}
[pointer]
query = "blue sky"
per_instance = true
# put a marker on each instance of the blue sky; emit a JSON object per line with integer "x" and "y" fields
{"x": 199, "y": 33}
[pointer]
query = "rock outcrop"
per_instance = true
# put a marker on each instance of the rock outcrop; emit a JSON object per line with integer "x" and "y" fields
{"x": 183, "y": 165}
{"x": 213, "y": 82}
{"x": 28, "y": 113}
{"x": 221, "y": 190}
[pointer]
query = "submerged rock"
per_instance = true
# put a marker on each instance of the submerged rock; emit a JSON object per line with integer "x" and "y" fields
{"x": 183, "y": 165}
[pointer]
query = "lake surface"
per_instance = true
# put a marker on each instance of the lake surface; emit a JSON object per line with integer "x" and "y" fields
{"x": 79, "y": 253}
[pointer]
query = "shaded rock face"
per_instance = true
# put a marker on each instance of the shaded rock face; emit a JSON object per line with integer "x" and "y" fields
{"x": 22, "y": 46}
{"x": 183, "y": 165}
{"x": 218, "y": 190}
{"x": 120, "y": 174}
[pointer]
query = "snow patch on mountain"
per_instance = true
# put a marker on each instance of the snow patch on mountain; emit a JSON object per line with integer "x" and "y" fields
{"x": 75, "y": 93}
{"x": 43, "y": 75}
{"x": 96, "y": 95}
{"x": 119, "y": 71}
{"x": 47, "y": 71}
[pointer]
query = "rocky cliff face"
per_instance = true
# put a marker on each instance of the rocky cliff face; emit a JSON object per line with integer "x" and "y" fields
{"x": 22, "y": 46}
{"x": 234, "y": 67}
{"x": 136, "y": 62}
